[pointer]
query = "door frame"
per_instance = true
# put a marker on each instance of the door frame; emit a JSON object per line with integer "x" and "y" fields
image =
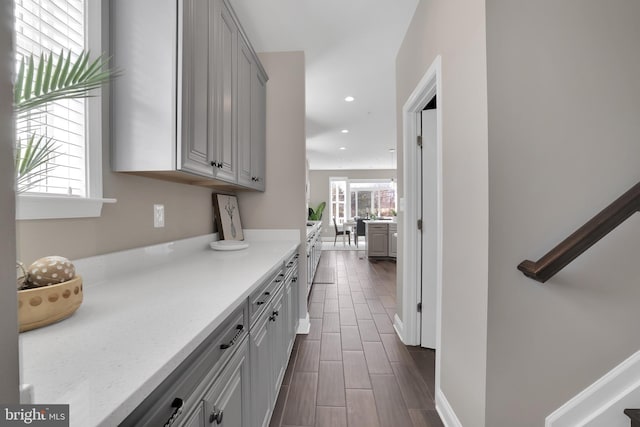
{"x": 409, "y": 327}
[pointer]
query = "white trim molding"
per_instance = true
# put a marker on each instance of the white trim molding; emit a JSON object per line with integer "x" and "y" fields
{"x": 304, "y": 326}
{"x": 447, "y": 415}
{"x": 30, "y": 206}
{"x": 429, "y": 85}
{"x": 603, "y": 402}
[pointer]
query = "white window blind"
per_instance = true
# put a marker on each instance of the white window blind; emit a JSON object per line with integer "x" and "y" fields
{"x": 44, "y": 26}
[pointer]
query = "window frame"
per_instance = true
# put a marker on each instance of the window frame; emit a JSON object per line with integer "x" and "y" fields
{"x": 345, "y": 202}
{"x": 55, "y": 206}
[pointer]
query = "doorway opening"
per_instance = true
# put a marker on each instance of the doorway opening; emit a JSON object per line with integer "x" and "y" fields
{"x": 422, "y": 226}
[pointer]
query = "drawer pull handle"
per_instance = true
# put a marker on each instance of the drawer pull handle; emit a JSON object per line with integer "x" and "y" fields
{"x": 178, "y": 404}
{"x": 216, "y": 416}
{"x": 267, "y": 293}
{"x": 234, "y": 339}
{"x": 260, "y": 303}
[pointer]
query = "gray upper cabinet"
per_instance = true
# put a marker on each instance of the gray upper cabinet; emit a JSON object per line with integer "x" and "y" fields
{"x": 186, "y": 107}
{"x": 223, "y": 61}
{"x": 196, "y": 148}
{"x": 251, "y": 98}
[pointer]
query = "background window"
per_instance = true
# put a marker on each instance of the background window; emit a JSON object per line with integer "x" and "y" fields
{"x": 338, "y": 205}
{"x": 44, "y": 26}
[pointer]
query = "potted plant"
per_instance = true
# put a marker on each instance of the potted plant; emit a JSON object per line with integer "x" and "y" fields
{"x": 316, "y": 215}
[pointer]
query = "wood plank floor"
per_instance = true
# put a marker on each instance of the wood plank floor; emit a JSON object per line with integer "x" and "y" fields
{"x": 352, "y": 370}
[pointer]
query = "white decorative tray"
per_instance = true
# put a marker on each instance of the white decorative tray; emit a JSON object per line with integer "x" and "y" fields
{"x": 228, "y": 245}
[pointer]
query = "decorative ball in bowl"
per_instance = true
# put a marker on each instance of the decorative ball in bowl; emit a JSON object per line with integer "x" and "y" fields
{"x": 42, "y": 306}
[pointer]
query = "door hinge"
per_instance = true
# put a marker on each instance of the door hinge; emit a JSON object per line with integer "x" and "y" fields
{"x": 419, "y": 141}
{"x": 419, "y": 307}
{"x": 419, "y": 224}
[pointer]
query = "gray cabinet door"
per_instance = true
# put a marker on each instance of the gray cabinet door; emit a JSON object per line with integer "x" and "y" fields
{"x": 260, "y": 350}
{"x": 195, "y": 147}
{"x": 196, "y": 419}
{"x": 223, "y": 68}
{"x": 245, "y": 66}
{"x": 377, "y": 240}
{"x": 279, "y": 328}
{"x": 227, "y": 402}
{"x": 258, "y": 127}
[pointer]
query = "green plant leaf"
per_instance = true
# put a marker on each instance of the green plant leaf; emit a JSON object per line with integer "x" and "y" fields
{"x": 69, "y": 79}
{"x": 17, "y": 88}
{"x": 57, "y": 70}
{"x": 39, "y": 76}
{"x": 28, "y": 78}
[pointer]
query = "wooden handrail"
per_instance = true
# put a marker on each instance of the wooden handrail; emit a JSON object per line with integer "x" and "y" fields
{"x": 584, "y": 237}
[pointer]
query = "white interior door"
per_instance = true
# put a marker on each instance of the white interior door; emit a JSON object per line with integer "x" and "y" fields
{"x": 429, "y": 229}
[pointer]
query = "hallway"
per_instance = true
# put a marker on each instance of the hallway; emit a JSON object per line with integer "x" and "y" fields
{"x": 352, "y": 370}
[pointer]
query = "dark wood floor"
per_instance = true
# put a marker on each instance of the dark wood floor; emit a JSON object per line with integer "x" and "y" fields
{"x": 352, "y": 370}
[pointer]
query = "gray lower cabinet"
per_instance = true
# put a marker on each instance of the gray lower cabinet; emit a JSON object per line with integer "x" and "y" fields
{"x": 227, "y": 402}
{"x": 233, "y": 378}
{"x": 377, "y": 240}
{"x": 196, "y": 419}
{"x": 261, "y": 341}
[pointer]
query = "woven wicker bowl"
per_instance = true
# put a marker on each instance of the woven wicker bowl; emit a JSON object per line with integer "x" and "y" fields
{"x": 42, "y": 306}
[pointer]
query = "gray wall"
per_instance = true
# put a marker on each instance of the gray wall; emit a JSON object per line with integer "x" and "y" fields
{"x": 564, "y": 128}
{"x": 282, "y": 205}
{"x": 455, "y": 29}
{"x": 9, "y": 371}
{"x": 320, "y": 189}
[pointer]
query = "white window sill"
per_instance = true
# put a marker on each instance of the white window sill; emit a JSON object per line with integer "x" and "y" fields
{"x": 57, "y": 207}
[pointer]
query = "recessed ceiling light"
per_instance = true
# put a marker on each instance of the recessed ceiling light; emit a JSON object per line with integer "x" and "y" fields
{"x": 343, "y": 148}
{"x": 349, "y": 99}
{"x": 345, "y": 131}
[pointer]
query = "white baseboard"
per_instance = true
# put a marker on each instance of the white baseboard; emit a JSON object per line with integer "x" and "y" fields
{"x": 399, "y": 327}
{"x": 447, "y": 415}
{"x": 304, "y": 326}
{"x": 603, "y": 402}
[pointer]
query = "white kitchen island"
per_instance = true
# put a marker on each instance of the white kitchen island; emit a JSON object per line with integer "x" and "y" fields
{"x": 144, "y": 312}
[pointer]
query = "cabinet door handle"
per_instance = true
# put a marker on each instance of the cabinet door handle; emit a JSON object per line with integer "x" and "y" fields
{"x": 267, "y": 293}
{"x": 234, "y": 339}
{"x": 272, "y": 318}
{"x": 216, "y": 416}
{"x": 260, "y": 303}
{"x": 275, "y": 313}
{"x": 178, "y": 404}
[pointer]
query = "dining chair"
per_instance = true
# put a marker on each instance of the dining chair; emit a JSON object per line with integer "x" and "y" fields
{"x": 340, "y": 232}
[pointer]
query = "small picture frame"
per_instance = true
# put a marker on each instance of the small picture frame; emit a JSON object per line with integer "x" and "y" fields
{"x": 227, "y": 217}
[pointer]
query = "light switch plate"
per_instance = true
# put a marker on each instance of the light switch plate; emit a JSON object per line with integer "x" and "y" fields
{"x": 158, "y": 216}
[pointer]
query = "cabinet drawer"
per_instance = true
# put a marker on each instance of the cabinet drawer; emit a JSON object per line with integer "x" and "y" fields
{"x": 377, "y": 227}
{"x": 260, "y": 298}
{"x": 179, "y": 393}
{"x": 291, "y": 267}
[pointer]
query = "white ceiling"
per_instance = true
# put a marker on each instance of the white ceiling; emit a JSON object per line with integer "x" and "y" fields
{"x": 350, "y": 49}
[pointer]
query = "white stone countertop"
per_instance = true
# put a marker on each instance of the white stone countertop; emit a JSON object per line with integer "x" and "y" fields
{"x": 144, "y": 311}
